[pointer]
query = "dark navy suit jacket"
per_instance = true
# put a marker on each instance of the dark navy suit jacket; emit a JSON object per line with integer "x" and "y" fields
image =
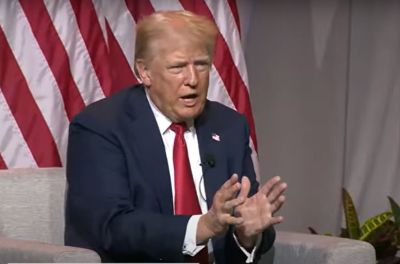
{"x": 119, "y": 199}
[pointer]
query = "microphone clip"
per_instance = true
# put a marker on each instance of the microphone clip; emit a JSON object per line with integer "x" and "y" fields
{"x": 209, "y": 162}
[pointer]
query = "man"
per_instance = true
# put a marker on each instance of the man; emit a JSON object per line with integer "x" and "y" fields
{"x": 136, "y": 160}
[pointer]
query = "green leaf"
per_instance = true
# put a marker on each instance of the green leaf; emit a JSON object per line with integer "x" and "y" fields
{"x": 350, "y": 214}
{"x": 395, "y": 210}
{"x": 374, "y": 224}
{"x": 383, "y": 239}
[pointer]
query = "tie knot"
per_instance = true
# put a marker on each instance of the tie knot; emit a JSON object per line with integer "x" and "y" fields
{"x": 178, "y": 128}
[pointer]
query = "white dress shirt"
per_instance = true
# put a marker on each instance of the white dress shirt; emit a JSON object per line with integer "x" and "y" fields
{"x": 190, "y": 246}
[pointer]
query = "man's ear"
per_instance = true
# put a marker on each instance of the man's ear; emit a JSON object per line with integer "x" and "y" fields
{"x": 143, "y": 72}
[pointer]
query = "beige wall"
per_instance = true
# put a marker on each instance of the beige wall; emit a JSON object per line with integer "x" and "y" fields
{"x": 303, "y": 60}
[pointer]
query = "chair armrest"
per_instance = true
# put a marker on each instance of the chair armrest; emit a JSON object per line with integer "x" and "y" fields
{"x": 293, "y": 247}
{"x": 17, "y": 250}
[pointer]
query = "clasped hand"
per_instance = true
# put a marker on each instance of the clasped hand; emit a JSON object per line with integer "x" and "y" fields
{"x": 250, "y": 216}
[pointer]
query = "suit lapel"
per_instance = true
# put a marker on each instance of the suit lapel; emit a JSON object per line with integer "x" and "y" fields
{"x": 211, "y": 149}
{"x": 149, "y": 148}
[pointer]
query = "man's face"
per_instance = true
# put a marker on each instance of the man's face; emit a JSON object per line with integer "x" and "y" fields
{"x": 177, "y": 77}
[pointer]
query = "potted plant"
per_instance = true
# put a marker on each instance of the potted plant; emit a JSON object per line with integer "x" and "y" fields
{"x": 382, "y": 230}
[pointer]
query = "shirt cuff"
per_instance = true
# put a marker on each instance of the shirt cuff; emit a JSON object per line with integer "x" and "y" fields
{"x": 190, "y": 246}
{"x": 250, "y": 256}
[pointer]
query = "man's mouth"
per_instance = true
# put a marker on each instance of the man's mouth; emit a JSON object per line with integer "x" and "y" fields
{"x": 189, "y": 96}
{"x": 189, "y": 99}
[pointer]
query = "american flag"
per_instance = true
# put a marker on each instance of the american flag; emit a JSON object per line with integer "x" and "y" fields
{"x": 57, "y": 56}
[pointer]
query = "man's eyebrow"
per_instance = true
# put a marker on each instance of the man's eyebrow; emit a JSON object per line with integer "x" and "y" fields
{"x": 177, "y": 63}
{"x": 202, "y": 59}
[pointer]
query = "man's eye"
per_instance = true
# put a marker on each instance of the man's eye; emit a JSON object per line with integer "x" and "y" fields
{"x": 202, "y": 66}
{"x": 175, "y": 68}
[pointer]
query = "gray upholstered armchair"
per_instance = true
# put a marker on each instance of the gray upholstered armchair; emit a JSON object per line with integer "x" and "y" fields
{"x": 32, "y": 218}
{"x": 32, "y": 225}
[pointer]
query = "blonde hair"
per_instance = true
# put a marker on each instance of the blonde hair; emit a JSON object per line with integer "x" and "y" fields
{"x": 160, "y": 24}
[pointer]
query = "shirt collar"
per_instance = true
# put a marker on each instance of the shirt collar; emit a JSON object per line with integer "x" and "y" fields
{"x": 164, "y": 122}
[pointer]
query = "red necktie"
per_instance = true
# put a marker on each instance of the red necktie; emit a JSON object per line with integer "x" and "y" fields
{"x": 186, "y": 202}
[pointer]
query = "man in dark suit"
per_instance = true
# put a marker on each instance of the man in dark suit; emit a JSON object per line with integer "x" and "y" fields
{"x": 125, "y": 189}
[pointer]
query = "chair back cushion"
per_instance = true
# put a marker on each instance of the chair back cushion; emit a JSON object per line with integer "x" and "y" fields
{"x": 32, "y": 203}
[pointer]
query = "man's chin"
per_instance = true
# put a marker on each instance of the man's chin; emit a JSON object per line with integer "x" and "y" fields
{"x": 189, "y": 116}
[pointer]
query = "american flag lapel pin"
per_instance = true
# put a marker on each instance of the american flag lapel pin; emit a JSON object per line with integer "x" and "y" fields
{"x": 215, "y": 136}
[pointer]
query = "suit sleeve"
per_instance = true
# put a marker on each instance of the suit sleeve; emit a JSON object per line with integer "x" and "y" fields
{"x": 102, "y": 212}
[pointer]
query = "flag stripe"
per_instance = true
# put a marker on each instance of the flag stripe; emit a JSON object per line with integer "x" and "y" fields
{"x": 217, "y": 91}
{"x": 15, "y": 151}
{"x": 227, "y": 26}
{"x": 166, "y": 5}
{"x": 235, "y": 13}
{"x": 122, "y": 25}
{"x": 139, "y": 9}
{"x": 229, "y": 73}
{"x": 83, "y": 73}
{"x": 20, "y": 101}
{"x": 55, "y": 53}
{"x": 92, "y": 34}
{"x": 234, "y": 84}
{"x": 121, "y": 34}
{"x": 122, "y": 74}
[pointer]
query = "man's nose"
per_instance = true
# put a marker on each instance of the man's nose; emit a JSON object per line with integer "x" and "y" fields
{"x": 191, "y": 76}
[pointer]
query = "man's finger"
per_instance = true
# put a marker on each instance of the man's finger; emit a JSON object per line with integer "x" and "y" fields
{"x": 276, "y": 191}
{"x": 232, "y": 220}
{"x": 231, "y": 204}
{"x": 229, "y": 189}
{"x": 231, "y": 192}
{"x": 231, "y": 181}
{"x": 267, "y": 187}
{"x": 278, "y": 203}
{"x": 245, "y": 189}
{"x": 275, "y": 220}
